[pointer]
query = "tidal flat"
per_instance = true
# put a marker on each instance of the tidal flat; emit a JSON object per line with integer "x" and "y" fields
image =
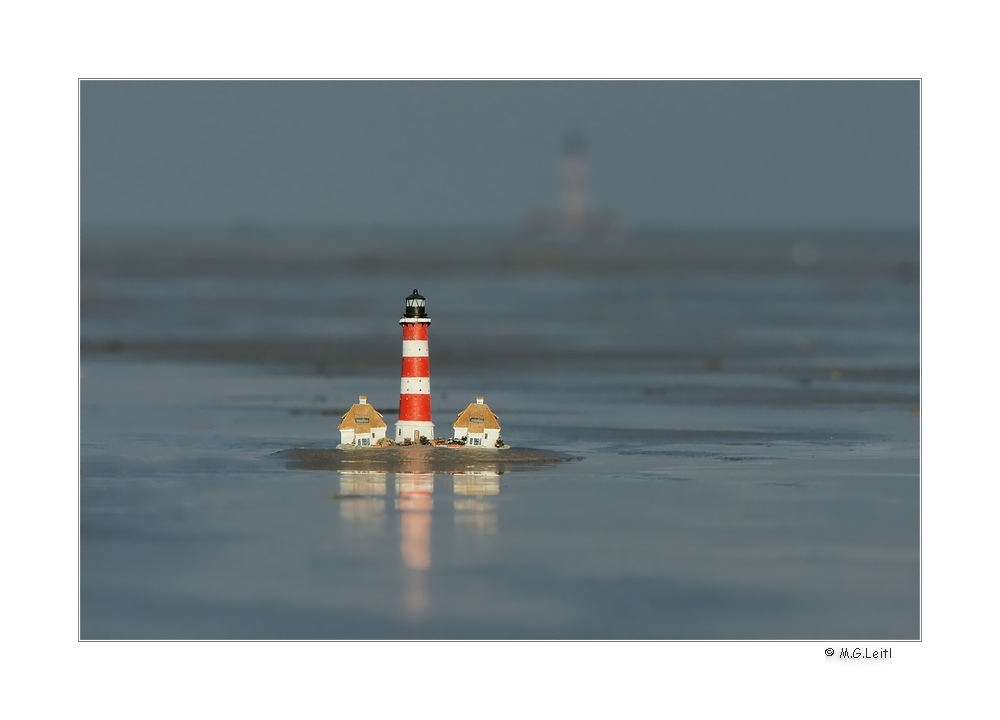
{"x": 734, "y": 440}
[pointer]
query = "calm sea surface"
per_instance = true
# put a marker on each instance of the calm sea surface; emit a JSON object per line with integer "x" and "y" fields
{"x": 746, "y": 411}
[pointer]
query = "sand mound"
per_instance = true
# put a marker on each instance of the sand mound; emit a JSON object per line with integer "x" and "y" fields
{"x": 420, "y": 459}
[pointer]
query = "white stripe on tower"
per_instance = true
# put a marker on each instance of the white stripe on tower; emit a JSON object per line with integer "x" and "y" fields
{"x": 414, "y": 348}
{"x": 415, "y": 386}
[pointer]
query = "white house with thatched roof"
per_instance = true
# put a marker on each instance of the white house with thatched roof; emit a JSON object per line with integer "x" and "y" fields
{"x": 478, "y": 425}
{"x": 362, "y": 425}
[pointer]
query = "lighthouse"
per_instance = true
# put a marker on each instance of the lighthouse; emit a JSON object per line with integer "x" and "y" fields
{"x": 574, "y": 187}
{"x": 415, "y": 385}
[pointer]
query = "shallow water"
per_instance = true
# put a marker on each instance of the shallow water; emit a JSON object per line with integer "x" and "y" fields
{"x": 750, "y": 445}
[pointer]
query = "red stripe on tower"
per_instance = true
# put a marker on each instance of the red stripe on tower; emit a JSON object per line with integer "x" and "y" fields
{"x": 415, "y": 382}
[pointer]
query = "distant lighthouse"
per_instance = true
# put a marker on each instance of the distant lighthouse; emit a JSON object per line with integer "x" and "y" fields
{"x": 415, "y": 384}
{"x": 574, "y": 187}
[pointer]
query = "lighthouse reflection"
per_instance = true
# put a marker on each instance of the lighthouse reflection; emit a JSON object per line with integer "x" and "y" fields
{"x": 364, "y": 513}
{"x": 414, "y": 502}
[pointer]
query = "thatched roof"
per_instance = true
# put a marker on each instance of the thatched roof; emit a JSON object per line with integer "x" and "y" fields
{"x": 364, "y": 412}
{"x": 480, "y": 411}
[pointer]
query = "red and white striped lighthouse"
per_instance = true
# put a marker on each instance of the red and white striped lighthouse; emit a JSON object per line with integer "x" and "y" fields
{"x": 415, "y": 384}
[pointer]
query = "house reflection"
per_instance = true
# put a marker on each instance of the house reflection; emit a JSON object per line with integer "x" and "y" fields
{"x": 478, "y": 482}
{"x": 474, "y": 514}
{"x": 362, "y": 482}
{"x": 364, "y": 513}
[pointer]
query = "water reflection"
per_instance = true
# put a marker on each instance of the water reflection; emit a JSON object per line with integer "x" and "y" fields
{"x": 414, "y": 502}
{"x": 477, "y": 483}
{"x": 365, "y": 513}
{"x": 363, "y": 510}
{"x": 473, "y": 514}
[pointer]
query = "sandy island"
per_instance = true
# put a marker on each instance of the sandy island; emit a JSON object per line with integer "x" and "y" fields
{"x": 420, "y": 459}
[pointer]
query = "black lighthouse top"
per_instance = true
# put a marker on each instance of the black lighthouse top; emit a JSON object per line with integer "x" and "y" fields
{"x": 415, "y": 305}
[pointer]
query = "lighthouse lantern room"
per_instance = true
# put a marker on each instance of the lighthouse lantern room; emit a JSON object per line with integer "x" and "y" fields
{"x": 416, "y": 307}
{"x": 415, "y": 384}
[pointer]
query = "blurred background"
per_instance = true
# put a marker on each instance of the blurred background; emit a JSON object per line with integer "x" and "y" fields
{"x": 645, "y": 274}
{"x": 238, "y": 219}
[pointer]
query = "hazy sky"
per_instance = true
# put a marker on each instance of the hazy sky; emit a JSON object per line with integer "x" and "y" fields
{"x": 718, "y": 154}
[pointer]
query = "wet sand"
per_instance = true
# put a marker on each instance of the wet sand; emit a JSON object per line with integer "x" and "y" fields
{"x": 414, "y": 459}
{"x": 750, "y": 427}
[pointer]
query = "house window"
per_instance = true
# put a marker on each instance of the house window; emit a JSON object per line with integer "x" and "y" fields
{"x": 360, "y": 419}
{"x": 477, "y": 441}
